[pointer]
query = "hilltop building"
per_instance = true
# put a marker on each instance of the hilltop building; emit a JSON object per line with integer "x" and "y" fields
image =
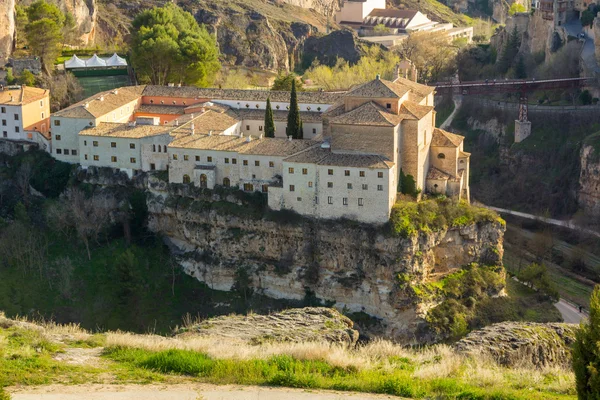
{"x": 388, "y": 26}
{"x": 25, "y": 114}
{"x": 348, "y": 164}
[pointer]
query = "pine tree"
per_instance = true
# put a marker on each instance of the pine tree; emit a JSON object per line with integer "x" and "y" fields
{"x": 520, "y": 69}
{"x": 301, "y": 130}
{"x": 293, "y": 121}
{"x": 269, "y": 124}
{"x": 510, "y": 51}
{"x": 586, "y": 353}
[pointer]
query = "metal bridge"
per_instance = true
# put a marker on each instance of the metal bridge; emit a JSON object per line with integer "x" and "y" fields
{"x": 521, "y": 86}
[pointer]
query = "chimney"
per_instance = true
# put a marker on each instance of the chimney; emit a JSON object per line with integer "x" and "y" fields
{"x": 179, "y": 85}
{"x": 193, "y": 129}
{"x": 397, "y": 72}
{"x": 378, "y": 77}
{"x": 86, "y": 105}
{"x": 261, "y": 136}
{"x": 101, "y": 98}
{"x": 290, "y": 138}
{"x": 210, "y": 133}
{"x": 176, "y": 122}
{"x": 249, "y": 139}
{"x": 11, "y": 98}
{"x": 170, "y": 84}
{"x": 241, "y": 134}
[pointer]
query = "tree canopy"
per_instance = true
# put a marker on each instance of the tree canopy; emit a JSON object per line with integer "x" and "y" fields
{"x": 269, "y": 124}
{"x": 283, "y": 82}
{"x": 168, "y": 46}
{"x": 44, "y": 31}
{"x": 294, "y": 123}
{"x": 586, "y": 353}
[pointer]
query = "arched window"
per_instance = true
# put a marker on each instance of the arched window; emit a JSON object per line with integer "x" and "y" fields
{"x": 203, "y": 181}
{"x": 186, "y": 179}
{"x": 462, "y": 161}
{"x": 154, "y": 148}
{"x": 165, "y": 148}
{"x": 435, "y": 186}
{"x": 441, "y": 156}
{"x": 226, "y": 182}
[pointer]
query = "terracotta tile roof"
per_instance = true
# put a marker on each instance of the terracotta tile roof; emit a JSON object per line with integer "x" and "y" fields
{"x": 242, "y": 95}
{"x": 321, "y": 156}
{"x": 22, "y": 95}
{"x": 392, "y": 13}
{"x": 418, "y": 91}
{"x": 438, "y": 175}
{"x": 418, "y": 111}
{"x": 110, "y": 129}
{"x": 279, "y": 115}
{"x": 266, "y": 146}
{"x": 367, "y": 114}
{"x": 464, "y": 154}
{"x": 102, "y": 103}
{"x": 208, "y": 121}
{"x": 379, "y": 88}
{"x": 160, "y": 109}
{"x": 442, "y": 138}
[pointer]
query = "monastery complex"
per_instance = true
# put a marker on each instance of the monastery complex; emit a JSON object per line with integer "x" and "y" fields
{"x": 347, "y": 165}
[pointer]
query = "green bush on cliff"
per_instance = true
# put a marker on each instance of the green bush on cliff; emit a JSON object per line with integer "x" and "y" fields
{"x": 586, "y": 353}
{"x": 4, "y": 395}
{"x": 408, "y": 218}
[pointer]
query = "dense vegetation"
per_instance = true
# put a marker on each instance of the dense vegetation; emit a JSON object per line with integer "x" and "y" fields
{"x": 586, "y": 353}
{"x": 408, "y": 218}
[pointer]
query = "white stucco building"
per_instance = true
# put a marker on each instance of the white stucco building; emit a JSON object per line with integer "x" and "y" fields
{"x": 24, "y": 114}
{"x": 347, "y": 165}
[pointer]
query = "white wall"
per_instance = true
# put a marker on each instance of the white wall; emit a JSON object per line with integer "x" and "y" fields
{"x": 241, "y": 105}
{"x": 356, "y": 11}
{"x": 66, "y": 136}
{"x": 10, "y": 127}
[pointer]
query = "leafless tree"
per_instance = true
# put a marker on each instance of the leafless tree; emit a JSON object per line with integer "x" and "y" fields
{"x": 24, "y": 248}
{"x": 63, "y": 271}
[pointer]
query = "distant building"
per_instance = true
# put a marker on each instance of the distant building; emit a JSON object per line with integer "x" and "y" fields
{"x": 25, "y": 114}
{"x": 348, "y": 164}
{"x": 389, "y": 26}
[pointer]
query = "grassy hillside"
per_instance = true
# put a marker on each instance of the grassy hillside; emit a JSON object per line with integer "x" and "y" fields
{"x": 435, "y": 10}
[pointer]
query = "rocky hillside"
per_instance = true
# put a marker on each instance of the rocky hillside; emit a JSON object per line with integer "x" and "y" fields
{"x": 589, "y": 177}
{"x": 513, "y": 343}
{"x": 310, "y": 324}
{"x": 7, "y": 29}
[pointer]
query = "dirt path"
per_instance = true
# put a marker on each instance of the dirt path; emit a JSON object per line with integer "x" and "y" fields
{"x": 179, "y": 392}
{"x": 457, "y": 102}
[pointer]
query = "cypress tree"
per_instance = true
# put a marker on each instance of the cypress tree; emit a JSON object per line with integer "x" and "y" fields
{"x": 269, "y": 124}
{"x": 586, "y": 352}
{"x": 293, "y": 121}
{"x": 520, "y": 69}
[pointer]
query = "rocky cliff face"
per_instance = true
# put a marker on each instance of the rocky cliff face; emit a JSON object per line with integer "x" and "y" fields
{"x": 355, "y": 267}
{"x": 537, "y": 35}
{"x": 7, "y": 29}
{"x": 323, "y": 7}
{"x": 589, "y": 180}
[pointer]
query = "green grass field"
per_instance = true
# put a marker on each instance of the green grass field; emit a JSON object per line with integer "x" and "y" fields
{"x": 96, "y": 84}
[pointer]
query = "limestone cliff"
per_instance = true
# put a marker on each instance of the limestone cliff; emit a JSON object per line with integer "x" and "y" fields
{"x": 589, "y": 178}
{"x": 7, "y": 29}
{"x": 355, "y": 267}
{"x": 323, "y": 7}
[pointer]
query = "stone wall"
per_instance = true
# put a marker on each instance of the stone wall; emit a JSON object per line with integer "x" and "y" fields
{"x": 354, "y": 266}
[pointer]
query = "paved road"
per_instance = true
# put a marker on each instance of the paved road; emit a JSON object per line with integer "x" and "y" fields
{"x": 570, "y": 314}
{"x": 588, "y": 54}
{"x": 179, "y": 392}
{"x": 457, "y": 102}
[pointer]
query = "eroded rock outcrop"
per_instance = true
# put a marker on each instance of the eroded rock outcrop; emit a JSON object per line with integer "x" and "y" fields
{"x": 7, "y": 29}
{"x": 356, "y": 267}
{"x": 310, "y": 324}
{"x": 323, "y": 7}
{"x": 522, "y": 343}
{"x": 589, "y": 180}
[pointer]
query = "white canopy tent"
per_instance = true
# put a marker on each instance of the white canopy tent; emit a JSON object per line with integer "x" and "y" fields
{"x": 74, "y": 62}
{"x": 116, "y": 61}
{"x": 95, "y": 61}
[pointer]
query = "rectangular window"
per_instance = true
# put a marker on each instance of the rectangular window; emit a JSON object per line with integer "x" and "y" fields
{"x": 96, "y": 158}
{"x": 174, "y": 156}
{"x": 360, "y": 202}
{"x": 346, "y": 173}
{"x": 57, "y": 137}
{"x": 3, "y": 122}
{"x": 291, "y": 170}
{"x": 85, "y": 142}
{"x": 380, "y": 187}
{"x": 95, "y": 144}
{"x": 132, "y": 160}
{"x": 74, "y": 152}
{"x": 113, "y": 158}
{"x": 271, "y": 164}
{"x": 16, "y": 117}
{"x": 85, "y": 156}
{"x": 365, "y": 186}
{"x": 17, "y": 129}
{"x": 304, "y": 171}
{"x": 292, "y": 188}
{"x": 209, "y": 159}
{"x": 388, "y": 105}
{"x": 329, "y": 185}
{"x": 329, "y": 172}
{"x": 152, "y": 166}
{"x": 56, "y": 122}
{"x": 3, "y": 110}
{"x": 58, "y": 151}
{"x": 314, "y": 131}
{"x": 349, "y": 186}
{"x": 345, "y": 201}
{"x": 248, "y": 187}
{"x": 298, "y": 198}
{"x": 361, "y": 174}
{"x": 113, "y": 144}
{"x": 186, "y": 157}
{"x": 256, "y": 163}
{"x": 247, "y": 127}
{"x": 43, "y": 115}
{"x": 309, "y": 184}
{"x": 234, "y": 160}
{"x": 265, "y": 188}
{"x": 226, "y": 160}
{"x": 132, "y": 145}
{"x": 4, "y": 133}
{"x": 245, "y": 162}
{"x": 260, "y": 128}
{"x": 66, "y": 152}
{"x": 380, "y": 174}
{"x": 329, "y": 200}
{"x": 197, "y": 158}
